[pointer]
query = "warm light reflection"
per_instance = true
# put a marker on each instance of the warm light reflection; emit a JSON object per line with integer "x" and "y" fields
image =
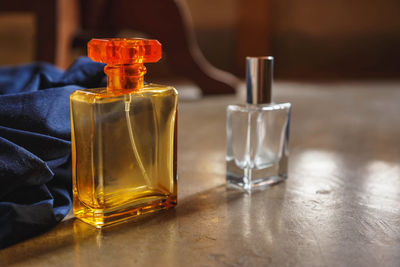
{"x": 382, "y": 184}
{"x": 312, "y": 164}
{"x": 99, "y": 238}
{"x": 247, "y": 219}
{"x": 318, "y": 161}
{"x": 82, "y": 233}
{"x": 381, "y": 169}
{"x": 319, "y": 187}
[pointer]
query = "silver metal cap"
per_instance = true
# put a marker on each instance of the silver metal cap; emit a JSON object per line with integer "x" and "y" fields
{"x": 259, "y": 78}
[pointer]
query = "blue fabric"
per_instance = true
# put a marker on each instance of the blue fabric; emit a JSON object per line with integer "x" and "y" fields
{"x": 35, "y": 161}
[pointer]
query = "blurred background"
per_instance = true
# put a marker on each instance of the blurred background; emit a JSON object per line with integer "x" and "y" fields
{"x": 310, "y": 39}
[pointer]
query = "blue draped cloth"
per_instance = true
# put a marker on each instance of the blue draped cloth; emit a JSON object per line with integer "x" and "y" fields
{"x": 35, "y": 147}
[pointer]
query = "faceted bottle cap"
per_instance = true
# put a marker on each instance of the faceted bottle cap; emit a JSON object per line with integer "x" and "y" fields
{"x": 259, "y": 78}
{"x": 115, "y": 51}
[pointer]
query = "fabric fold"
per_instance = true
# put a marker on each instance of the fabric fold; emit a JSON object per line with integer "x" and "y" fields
{"x": 35, "y": 153}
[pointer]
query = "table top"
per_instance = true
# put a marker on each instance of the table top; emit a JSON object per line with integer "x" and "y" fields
{"x": 339, "y": 207}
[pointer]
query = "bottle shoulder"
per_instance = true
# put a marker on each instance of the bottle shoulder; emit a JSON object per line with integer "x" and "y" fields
{"x": 97, "y": 94}
{"x": 259, "y": 107}
{"x": 160, "y": 88}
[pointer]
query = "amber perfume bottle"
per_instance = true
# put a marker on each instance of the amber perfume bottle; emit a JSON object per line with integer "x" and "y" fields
{"x": 123, "y": 137}
{"x": 257, "y": 132}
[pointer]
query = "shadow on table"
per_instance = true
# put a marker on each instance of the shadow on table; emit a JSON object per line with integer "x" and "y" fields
{"x": 72, "y": 233}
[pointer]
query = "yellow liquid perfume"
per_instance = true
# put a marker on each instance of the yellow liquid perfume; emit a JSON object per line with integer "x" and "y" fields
{"x": 123, "y": 137}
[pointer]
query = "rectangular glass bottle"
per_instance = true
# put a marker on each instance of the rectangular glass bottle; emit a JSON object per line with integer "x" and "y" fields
{"x": 257, "y": 144}
{"x": 257, "y": 132}
{"x": 124, "y": 153}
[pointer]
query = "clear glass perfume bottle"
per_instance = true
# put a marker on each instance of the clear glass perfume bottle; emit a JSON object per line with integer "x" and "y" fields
{"x": 123, "y": 137}
{"x": 257, "y": 132}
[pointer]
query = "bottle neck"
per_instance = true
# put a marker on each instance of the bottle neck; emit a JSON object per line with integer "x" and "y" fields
{"x": 128, "y": 77}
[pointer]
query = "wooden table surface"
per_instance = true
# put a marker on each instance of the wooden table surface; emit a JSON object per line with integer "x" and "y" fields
{"x": 339, "y": 207}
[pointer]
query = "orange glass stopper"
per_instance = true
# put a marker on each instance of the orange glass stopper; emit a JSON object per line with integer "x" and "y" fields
{"x": 124, "y": 58}
{"x": 124, "y": 50}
